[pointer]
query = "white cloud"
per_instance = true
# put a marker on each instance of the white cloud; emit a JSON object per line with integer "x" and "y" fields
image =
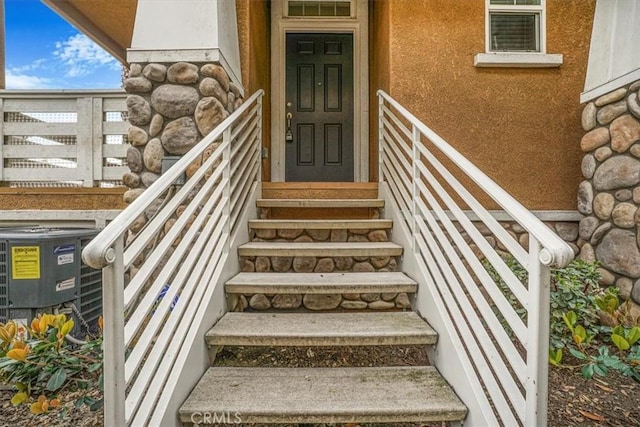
{"x": 38, "y": 63}
{"x": 81, "y": 56}
{"x": 18, "y": 81}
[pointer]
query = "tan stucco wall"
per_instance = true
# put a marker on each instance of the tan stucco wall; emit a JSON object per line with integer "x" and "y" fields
{"x": 61, "y": 198}
{"x": 520, "y": 126}
{"x": 254, "y": 34}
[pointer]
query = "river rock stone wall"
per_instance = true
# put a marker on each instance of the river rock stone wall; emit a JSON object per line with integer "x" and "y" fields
{"x": 609, "y": 197}
{"x": 171, "y": 107}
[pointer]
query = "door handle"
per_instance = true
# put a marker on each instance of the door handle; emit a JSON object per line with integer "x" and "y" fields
{"x": 289, "y": 134}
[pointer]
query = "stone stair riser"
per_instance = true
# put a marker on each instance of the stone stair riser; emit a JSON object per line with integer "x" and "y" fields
{"x": 316, "y": 302}
{"x": 320, "y": 235}
{"x": 307, "y": 264}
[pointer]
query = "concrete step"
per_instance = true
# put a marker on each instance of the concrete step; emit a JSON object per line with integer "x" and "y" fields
{"x": 320, "y": 249}
{"x": 323, "y": 395}
{"x": 318, "y": 224}
{"x": 320, "y": 283}
{"x": 320, "y": 203}
{"x": 316, "y": 329}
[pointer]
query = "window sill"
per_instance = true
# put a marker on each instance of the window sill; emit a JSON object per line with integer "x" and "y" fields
{"x": 517, "y": 60}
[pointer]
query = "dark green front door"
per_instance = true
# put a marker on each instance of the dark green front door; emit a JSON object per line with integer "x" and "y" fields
{"x": 319, "y": 102}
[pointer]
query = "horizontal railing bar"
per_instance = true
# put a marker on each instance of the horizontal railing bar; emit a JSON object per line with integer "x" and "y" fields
{"x": 403, "y": 144}
{"x": 95, "y": 254}
{"x": 239, "y": 138}
{"x": 192, "y": 252}
{"x": 482, "y": 304}
{"x": 249, "y": 116}
{"x": 393, "y": 147}
{"x": 134, "y": 288}
{"x": 42, "y": 129}
{"x": 469, "y": 340}
{"x": 115, "y": 150}
{"x": 168, "y": 358}
{"x": 509, "y": 277}
{"x": 556, "y": 251}
{"x": 239, "y": 171}
{"x": 149, "y": 232}
{"x": 401, "y": 199}
{"x": 498, "y": 230}
{"x": 113, "y": 173}
{"x": 115, "y": 128}
{"x": 399, "y": 183}
{"x": 238, "y": 158}
{"x": 401, "y": 126}
{"x": 61, "y": 93}
{"x": 236, "y": 207}
{"x": 496, "y": 328}
{"x": 136, "y": 285}
{"x": 40, "y": 151}
{"x": 244, "y": 178}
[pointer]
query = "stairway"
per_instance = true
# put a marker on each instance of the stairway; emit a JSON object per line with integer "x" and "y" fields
{"x": 320, "y": 273}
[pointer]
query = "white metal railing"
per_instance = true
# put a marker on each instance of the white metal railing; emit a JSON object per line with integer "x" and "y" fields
{"x": 495, "y": 360}
{"x": 63, "y": 138}
{"x": 181, "y": 253}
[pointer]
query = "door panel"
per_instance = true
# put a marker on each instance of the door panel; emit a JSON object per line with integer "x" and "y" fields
{"x": 319, "y": 96}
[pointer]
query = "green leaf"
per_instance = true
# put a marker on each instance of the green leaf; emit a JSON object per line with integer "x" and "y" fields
{"x": 600, "y": 370}
{"x": 618, "y": 330}
{"x": 570, "y": 319}
{"x": 577, "y": 354}
{"x": 97, "y": 405}
{"x": 587, "y": 371}
{"x": 94, "y": 367}
{"x": 57, "y": 379}
{"x": 633, "y": 335}
{"x": 620, "y": 342}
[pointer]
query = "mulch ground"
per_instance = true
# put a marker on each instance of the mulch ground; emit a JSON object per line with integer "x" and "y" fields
{"x": 573, "y": 401}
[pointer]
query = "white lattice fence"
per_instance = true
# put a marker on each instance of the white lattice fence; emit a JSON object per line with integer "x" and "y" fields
{"x": 63, "y": 139}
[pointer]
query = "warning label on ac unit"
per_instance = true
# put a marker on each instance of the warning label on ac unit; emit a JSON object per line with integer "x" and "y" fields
{"x": 64, "y": 254}
{"x": 63, "y": 285}
{"x": 25, "y": 262}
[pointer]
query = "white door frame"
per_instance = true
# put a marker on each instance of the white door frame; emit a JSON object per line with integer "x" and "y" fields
{"x": 357, "y": 25}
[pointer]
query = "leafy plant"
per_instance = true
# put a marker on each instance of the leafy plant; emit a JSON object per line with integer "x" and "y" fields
{"x": 37, "y": 360}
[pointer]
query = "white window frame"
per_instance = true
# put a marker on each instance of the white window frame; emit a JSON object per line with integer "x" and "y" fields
{"x": 519, "y": 59}
{"x": 352, "y": 8}
{"x": 540, "y": 11}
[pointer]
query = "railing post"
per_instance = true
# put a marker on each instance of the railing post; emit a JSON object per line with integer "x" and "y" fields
{"x": 259, "y": 136}
{"x": 226, "y": 181}
{"x": 97, "y": 137}
{"x": 538, "y": 338}
{"x": 113, "y": 351}
{"x": 380, "y": 137}
{"x": 84, "y": 141}
{"x": 1, "y": 140}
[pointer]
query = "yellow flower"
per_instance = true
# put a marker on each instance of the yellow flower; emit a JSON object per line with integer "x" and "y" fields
{"x": 101, "y": 323}
{"x": 18, "y": 354}
{"x": 20, "y": 344}
{"x": 66, "y": 327}
{"x": 41, "y": 406}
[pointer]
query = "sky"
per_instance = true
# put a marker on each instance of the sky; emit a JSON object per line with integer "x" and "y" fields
{"x": 43, "y": 51}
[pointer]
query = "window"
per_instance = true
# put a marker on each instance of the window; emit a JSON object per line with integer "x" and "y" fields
{"x": 515, "y": 26}
{"x": 516, "y": 35}
{"x": 307, "y": 8}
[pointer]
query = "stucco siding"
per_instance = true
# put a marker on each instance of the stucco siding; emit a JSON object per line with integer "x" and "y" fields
{"x": 521, "y": 126}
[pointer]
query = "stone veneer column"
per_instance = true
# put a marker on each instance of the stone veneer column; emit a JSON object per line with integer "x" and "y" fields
{"x": 610, "y": 195}
{"x": 172, "y": 106}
